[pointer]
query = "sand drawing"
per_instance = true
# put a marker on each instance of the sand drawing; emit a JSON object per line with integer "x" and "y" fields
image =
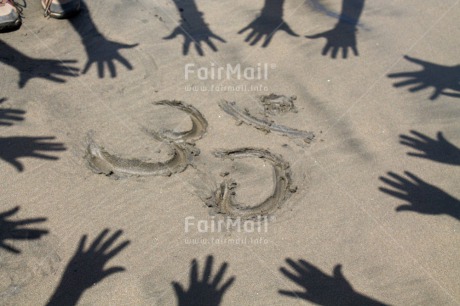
{"x": 274, "y": 104}
{"x": 263, "y": 124}
{"x": 223, "y": 200}
{"x": 199, "y": 124}
{"x": 181, "y": 143}
{"x": 103, "y": 162}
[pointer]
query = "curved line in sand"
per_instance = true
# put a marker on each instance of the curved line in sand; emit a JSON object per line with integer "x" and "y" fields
{"x": 243, "y": 116}
{"x": 224, "y": 199}
{"x": 103, "y": 162}
{"x": 199, "y": 124}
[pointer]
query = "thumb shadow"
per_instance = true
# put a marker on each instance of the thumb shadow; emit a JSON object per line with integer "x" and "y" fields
{"x": 15, "y": 230}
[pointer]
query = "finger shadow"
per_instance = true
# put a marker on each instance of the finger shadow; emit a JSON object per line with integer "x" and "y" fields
{"x": 319, "y": 288}
{"x": 435, "y": 149}
{"x": 87, "y": 267}
{"x": 419, "y": 196}
{"x": 265, "y": 26}
{"x": 342, "y": 38}
{"x": 12, "y": 229}
{"x": 29, "y": 68}
{"x": 14, "y": 148}
{"x": 101, "y": 52}
{"x": 9, "y": 117}
{"x": 204, "y": 290}
{"x": 445, "y": 80}
{"x": 194, "y": 29}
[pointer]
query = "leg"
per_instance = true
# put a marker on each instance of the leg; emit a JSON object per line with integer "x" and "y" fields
{"x": 10, "y": 18}
{"x": 60, "y": 8}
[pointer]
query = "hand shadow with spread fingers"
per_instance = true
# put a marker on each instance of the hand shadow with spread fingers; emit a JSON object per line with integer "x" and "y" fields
{"x": 206, "y": 291}
{"x": 270, "y": 21}
{"x": 343, "y": 35}
{"x": 444, "y": 79}
{"x": 420, "y": 196}
{"x": 29, "y": 67}
{"x": 86, "y": 268}
{"x": 322, "y": 289}
{"x": 14, "y": 230}
{"x": 100, "y": 51}
{"x": 9, "y": 116}
{"x": 13, "y": 148}
{"x": 438, "y": 150}
{"x": 193, "y": 28}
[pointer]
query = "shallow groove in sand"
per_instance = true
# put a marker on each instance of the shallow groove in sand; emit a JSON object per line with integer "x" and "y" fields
{"x": 223, "y": 200}
{"x": 102, "y": 162}
{"x": 243, "y": 116}
{"x": 199, "y": 124}
{"x": 274, "y": 104}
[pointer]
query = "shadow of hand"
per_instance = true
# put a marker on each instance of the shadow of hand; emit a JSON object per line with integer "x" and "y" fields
{"x": 86, "y": 268}
{"x": 266, "y": 25}
{"x": 439, "y": 150}
{"x": 195, "y": 31}
{"x": 99, "y": 49}
{"x": 104, "y": 52}
{"x": 29, "y": 68}
{"x": 11, "y": 230}
{"x": 205, "y": 291}
{"x": 421, "y": 196}
{"x": 8, "y": 116}
{"x": 440, "y": 77}
{"x": 341, "y": 37}
{"x": 322, "y": 289}
{"x": 13, "y": 148}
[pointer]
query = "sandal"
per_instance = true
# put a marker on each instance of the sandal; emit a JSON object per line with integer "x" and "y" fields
{"x": 10, "y": 15}
{"x": 61, "y": 8}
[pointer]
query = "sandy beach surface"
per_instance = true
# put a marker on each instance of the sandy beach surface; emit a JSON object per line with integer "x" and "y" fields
{"x": 138, "y": 168}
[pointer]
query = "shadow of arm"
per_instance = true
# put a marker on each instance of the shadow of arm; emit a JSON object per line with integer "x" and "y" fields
{"x": 86, "y": 268}
{"x": 193, "y": 28}
{"x": 265, "y": 26}
{"x": 343, "y": 35}
{"x": 100, "y": 51}
{"x": 420, "y": 196}
{"x": 29, "y": 68}
{"x": 13, "y": 148}
{"x": 323, "y": 289}
{"x": 206, "y": 290}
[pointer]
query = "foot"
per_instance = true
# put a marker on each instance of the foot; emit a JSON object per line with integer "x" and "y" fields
{"x": 60, "y": 8}
{"x": 9, "y": 16}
